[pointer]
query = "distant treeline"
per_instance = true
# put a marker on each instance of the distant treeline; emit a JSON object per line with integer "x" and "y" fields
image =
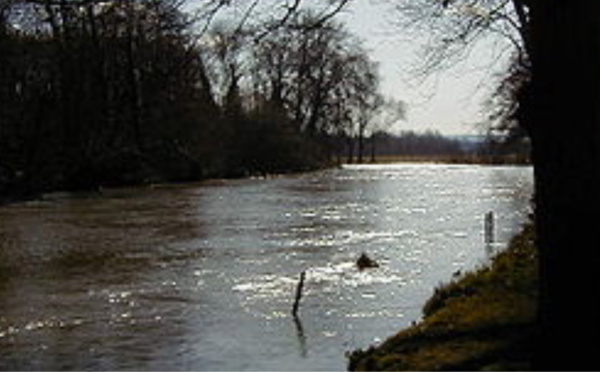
{"x": 432, "y": 144}
{"x": 103, "y": 93}
{"x": 413, "y": 143}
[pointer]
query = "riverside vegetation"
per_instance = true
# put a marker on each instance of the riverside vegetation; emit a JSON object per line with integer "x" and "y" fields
{"x": 98, "y": 94}
{"x": 482, "y": 320}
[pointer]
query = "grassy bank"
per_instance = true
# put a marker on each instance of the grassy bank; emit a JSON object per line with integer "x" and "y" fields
{"x": 483, "y": 320}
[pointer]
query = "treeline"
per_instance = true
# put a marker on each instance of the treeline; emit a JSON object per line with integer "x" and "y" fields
{"x": 412, "y": 143}
{"x": 514, "y": 148}
{"x": 103, "y": 93}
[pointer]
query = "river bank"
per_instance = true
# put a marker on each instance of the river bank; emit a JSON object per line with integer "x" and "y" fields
{"x": 139, "y": 173}
{"x": 482, "y": 320}
{"x": 22, "y": 191}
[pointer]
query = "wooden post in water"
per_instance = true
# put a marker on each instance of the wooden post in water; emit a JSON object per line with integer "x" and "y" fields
{"x": 489, "y": 227}
{"x": 298, "y": 294}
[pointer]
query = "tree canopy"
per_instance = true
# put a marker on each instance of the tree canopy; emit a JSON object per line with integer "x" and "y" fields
{"x": 100, "y": 93}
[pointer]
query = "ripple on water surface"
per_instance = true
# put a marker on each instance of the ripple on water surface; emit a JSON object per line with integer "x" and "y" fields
{"x": 203, "y": 276}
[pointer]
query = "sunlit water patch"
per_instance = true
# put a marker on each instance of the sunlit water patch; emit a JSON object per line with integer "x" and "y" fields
{"x": 202, "y": 277}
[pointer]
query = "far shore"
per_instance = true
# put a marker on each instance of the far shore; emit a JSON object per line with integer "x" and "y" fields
{"x": 512, "y": 159}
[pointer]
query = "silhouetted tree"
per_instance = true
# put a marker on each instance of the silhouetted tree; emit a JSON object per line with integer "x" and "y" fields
{"x": 100, "y": 93}
{"x": 318, "y": 77}
{"x": 562, "y": 116}
{"x": 558, "y": 41}
{"x": 131, "y": 91}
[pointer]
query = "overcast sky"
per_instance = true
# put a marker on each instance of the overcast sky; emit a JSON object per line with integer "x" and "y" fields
{"x": 449, "y": 101}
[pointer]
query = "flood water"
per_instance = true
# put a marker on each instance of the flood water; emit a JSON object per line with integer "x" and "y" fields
{"x": 202, "y": 277}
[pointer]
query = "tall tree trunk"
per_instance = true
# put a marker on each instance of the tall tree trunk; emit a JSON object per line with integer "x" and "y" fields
{"x": 561, "y": 113}
{"x": 373, "y": 148}
{"x": 133, "y": 77}
{"x": 350, "y": 147}
{"x": 362, "y": 125}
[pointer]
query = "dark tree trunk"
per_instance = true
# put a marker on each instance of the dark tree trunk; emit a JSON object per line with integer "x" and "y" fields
{"x": 560, "y": 109}
{"x": 133, "y": 77}
{"x": 373, "y": 148}
{"x": 361, "y": 141}
{"x": 350, "y": 146}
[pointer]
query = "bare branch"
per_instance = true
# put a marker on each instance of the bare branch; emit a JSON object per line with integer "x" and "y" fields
{"x": 453, "y": 26}
{"x": 265, "y": 18}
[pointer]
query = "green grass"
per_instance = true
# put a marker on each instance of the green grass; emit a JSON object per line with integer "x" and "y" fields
{"x": 483, "y": 320}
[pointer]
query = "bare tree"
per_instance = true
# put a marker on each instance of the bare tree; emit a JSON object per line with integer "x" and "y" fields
{"x": 559, "y": 43}
{"x": 263, "y": 16}
{"x": 454, "y": 28}
{"x": 97, "y": 92}
{"x": 388, "y": 112}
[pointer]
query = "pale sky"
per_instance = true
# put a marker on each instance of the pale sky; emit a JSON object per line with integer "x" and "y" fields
{"x": 449, "y": 101}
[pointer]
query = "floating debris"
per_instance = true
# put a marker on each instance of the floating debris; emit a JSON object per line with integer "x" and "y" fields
{"x": 365, "y": 262}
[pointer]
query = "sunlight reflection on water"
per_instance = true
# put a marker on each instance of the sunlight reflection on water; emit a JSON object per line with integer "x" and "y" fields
{"x": 203, "y": 276}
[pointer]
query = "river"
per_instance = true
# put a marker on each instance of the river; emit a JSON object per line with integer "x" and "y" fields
{"x": 202, "y": 276}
